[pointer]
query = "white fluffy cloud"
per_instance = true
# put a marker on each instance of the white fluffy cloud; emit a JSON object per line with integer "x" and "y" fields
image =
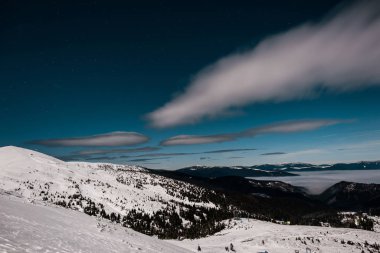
{"x": 282, "y": 127}
{"x": 339, "y": 53}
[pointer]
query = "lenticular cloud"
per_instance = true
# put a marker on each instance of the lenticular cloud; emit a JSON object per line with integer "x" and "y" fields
{"x": 281, "y": 127}
{"x": 107, "y": 140}
{"x": 340, "y": 53}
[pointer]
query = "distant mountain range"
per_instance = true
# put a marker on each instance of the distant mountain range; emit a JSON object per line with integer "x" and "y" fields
{"x": 342, "y": 196}
{"x": 371, "y": 165}
{"x": 274, "y": 170}
{"x": 241, "y": 171}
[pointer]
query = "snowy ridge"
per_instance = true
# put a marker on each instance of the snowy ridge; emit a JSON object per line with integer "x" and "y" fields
{"x": 95, "y": 187}
{"x": 28, "y": 173}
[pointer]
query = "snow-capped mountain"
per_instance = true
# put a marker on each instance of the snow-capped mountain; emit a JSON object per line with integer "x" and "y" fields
{"x": 297, "y": 167}
{"x": 222, "y": 171}
{"x": 131, "y": 195}
{"x": 275, "y": 170}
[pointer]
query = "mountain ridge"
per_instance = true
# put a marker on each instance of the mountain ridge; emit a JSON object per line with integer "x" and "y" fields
{"x": 130, "y": 195}
{"x": 275, "y": 170}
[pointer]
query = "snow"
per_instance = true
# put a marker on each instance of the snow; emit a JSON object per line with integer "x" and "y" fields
{"x": 29, "y": 224}
{"x": 248, "y": 235}
{"x": 119, "y": 188}
{"x": 35, "y": 227}
{"x": 25, "y": 227}
{"x": 376, "y": 223}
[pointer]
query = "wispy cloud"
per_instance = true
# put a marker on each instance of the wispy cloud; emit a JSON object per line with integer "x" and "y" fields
{"x": 86, "y": 158}
{"x": 108, "y": 139}
{"x": 301, "y": 153}
{"x": 229, "y": 150}
{"x": 103, "y": 154}
{"x": 217, "y": 151}
{"x": 197, "y": 139}
{"x": 150, "y": 156}
{"x": 147, "y": 159}
{"x": 236, "y": 157}
{"x": 100, "y": 158}
{"x": 164, "y": 154}
{"x": 293, "y": 126}
{"x": 274, "y": 153}
{"x": 340, "y": 53}
{"x": 115, "y": 151}
{"x": 282, "y": 127}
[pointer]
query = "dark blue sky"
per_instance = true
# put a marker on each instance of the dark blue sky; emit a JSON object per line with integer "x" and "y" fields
{"x": 71, "y": 69}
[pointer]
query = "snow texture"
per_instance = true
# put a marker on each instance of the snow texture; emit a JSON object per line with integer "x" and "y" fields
{"x": 248, "y": 235}
{"x": 119, "y": 188}
{"x": 26, "y": 227}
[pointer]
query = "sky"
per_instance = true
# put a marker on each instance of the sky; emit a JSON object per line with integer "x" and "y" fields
{"x": 170, "y": 84}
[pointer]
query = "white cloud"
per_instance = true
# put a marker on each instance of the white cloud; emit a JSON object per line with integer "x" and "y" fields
{"x": 115, "y": 151}
{"x": 282, "y": 127}
{"x": 197, "y": 139}
{"x": 293, "y": 126}
{"x": 107, "y": 139}
{"x": 302, "y": 153}
{"x": 338, "y": 54}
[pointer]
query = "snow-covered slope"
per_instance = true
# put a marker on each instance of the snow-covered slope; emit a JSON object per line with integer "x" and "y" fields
{"x": 260, "y": 236}
{"x": 25, "y": 227}
{"x": 117, "y": 187}
{"x": 94, "y": 187}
